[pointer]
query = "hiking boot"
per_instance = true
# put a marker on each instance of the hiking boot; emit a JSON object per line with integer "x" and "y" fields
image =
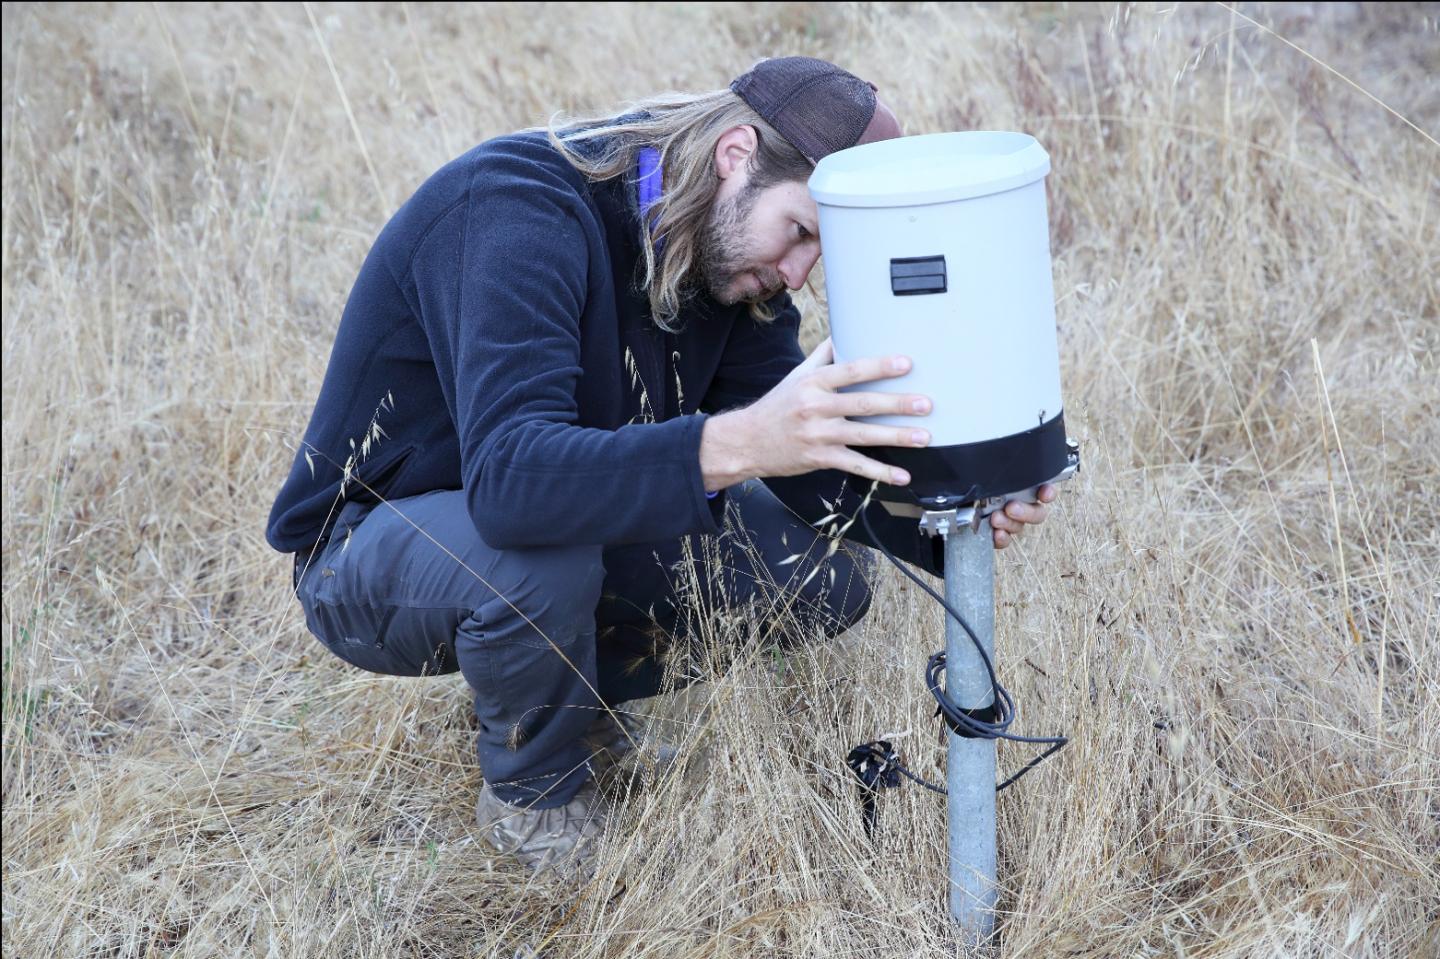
{"x": 619, "y": 750}
{"x": 561, "y": 841}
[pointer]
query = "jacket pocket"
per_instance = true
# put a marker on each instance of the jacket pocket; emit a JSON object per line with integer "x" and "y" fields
{"x": 378, "y": 476}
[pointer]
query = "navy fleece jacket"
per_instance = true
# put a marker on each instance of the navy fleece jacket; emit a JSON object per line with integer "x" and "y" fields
{"x": 495, "y": 341}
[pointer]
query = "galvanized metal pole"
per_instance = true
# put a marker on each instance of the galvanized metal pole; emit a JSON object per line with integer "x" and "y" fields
{"x": 970, "y": 589}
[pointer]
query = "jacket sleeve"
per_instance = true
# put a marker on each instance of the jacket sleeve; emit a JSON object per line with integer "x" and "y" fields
{"x": 757, "y": 357}
{"x": 501, "y": 303}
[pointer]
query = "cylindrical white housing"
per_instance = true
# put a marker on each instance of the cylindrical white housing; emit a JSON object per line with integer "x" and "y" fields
{"x": 938, "y": 247}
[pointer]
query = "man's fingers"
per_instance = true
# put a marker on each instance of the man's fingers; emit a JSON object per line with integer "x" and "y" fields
{"x": 1016, "y": 516}
{"x": 1047, "y": 493}
{"x": 863, "y": 466}
{"x": 880, "y": 404}
{"x": 863, "y": 371}
{"x": 863, "y": 434}
{"x": 1025, "y": 512}
{"x": 1002, "y": 539}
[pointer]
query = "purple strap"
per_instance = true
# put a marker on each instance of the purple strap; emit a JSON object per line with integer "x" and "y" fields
{"x": 651, "y": 183}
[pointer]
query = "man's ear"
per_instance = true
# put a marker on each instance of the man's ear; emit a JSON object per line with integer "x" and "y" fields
{"x": 733, "y": 150}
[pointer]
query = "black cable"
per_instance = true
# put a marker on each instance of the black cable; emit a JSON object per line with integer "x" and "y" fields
{"x": 972, "y": 723}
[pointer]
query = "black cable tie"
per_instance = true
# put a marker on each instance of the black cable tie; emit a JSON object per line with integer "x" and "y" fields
{"x": 984, "y": 714}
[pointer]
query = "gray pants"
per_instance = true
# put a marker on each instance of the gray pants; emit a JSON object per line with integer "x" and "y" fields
{"x": 545, "y": 635}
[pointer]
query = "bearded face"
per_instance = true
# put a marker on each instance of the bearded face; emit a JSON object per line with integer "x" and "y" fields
{"x": 729, "y": 267}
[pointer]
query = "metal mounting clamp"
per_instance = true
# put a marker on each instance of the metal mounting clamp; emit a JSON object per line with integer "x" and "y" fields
{"x": 947, "y": 521}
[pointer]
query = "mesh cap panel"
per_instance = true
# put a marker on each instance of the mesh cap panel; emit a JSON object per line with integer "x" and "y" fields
{"x": 817, "y": 106}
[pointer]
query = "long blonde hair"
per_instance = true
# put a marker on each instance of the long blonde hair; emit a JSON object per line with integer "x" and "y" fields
{"x": 684, "y": 127}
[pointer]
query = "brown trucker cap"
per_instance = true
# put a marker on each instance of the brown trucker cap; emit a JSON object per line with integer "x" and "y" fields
{"x": 817, "y": 106}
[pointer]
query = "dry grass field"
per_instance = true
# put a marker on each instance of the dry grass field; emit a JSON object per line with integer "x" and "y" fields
{"x": 1234, "y": 610}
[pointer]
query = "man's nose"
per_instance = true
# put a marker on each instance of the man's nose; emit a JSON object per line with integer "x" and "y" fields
{"x": 796, "y": 267}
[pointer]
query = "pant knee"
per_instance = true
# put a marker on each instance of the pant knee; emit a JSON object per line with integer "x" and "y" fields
{"x": 547, "y": 589}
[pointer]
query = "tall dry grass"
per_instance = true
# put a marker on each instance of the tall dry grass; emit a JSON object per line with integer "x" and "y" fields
{"x": 1234, "y": 610}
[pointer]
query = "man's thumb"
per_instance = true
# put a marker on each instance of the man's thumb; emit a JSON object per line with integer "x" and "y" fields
{"x": 822, "y": 355}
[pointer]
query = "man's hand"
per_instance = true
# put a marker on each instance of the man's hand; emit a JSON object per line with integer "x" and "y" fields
{"x": 1012, "y": 520}
{"x": 801, "y": 425}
